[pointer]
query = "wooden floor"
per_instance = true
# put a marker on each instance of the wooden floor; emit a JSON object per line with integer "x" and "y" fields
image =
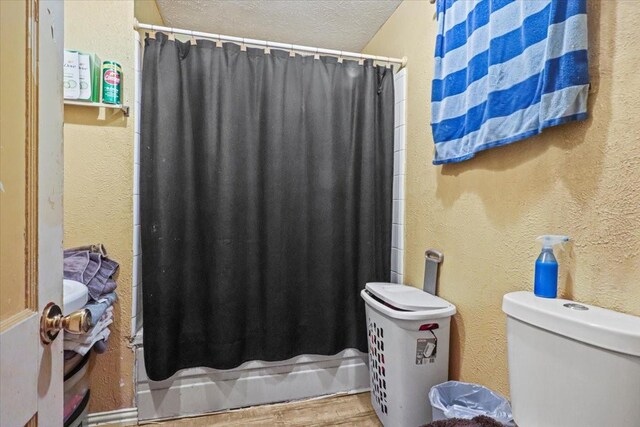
{"x": 343, "y": 410}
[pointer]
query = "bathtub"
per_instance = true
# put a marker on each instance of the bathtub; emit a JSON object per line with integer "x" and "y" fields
{"x": 202, "y": 390}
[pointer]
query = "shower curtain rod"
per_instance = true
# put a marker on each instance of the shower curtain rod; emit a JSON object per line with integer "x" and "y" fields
{"x": 268, "y": 44}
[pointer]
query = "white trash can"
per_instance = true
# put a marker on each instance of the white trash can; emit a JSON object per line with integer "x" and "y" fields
{"x": 408, "y": 331}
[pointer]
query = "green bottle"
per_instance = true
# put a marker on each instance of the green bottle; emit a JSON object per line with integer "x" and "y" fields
{"x": 111, "y": 82}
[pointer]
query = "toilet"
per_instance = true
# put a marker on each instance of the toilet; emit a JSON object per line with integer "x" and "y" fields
{"x": 571, "y": 365}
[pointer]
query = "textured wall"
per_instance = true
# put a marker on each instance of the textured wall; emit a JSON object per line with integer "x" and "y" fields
{"x": 580, "y": 179}
{"x": 146, "y": 11}
{"x": 98, "y": 160}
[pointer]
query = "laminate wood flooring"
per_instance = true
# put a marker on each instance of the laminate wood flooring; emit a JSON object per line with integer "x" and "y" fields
{"x": 341, "y": 410}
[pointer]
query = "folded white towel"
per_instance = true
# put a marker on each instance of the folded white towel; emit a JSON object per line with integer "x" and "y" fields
{"x": 91, "y": 335}
{"x": 83, "y": 348}
{"x": 82, "y": 343}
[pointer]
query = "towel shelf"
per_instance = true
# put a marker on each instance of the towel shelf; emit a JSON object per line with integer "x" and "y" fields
{"x": 121, "y": 107}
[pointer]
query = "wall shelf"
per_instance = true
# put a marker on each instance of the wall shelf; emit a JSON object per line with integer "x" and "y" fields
{"x": 121, "y": 107}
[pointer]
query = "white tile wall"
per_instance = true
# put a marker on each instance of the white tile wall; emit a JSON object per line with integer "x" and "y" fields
{"x": 398, "y": 212}
{"x": 399, "y": 161}
{"x": 399, "y": 138}
{"x": 136, "y": 309}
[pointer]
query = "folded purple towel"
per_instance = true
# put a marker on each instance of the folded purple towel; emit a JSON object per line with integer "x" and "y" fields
{"x": 75, "y": 265}
{"x": 91, "y": 268}
{"x": 100, "y": 346}
{"x": 479, "y": 421}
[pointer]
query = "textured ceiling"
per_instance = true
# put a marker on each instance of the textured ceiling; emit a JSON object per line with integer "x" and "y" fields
{"x": 333, "y": 24}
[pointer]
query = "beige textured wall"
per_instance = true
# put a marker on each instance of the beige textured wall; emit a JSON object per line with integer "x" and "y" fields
{"x": 146, "y": 12}
{"x": 98, "y": 175}
{"x": 580, "y": 179}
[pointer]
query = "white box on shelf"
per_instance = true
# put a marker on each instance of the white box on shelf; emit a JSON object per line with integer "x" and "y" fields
{"x": 71, "y": 75}
{"x": 84, "y": 76}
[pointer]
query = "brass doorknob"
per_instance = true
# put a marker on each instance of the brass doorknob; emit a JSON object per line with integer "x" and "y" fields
{"x": 52, "y": 322}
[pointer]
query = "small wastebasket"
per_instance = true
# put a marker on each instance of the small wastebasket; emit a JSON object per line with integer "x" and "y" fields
{"x": 408, "y": 337}
{"x": 455, "y": 399}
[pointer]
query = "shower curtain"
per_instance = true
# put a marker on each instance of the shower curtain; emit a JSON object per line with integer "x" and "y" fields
{"x": 266, "y": 187}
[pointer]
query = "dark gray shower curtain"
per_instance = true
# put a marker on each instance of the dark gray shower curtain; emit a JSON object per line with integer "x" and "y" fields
{"x": 266, "y": 187}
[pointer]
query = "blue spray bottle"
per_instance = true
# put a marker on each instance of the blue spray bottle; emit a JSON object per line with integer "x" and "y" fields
{"x": 546, "y": 276}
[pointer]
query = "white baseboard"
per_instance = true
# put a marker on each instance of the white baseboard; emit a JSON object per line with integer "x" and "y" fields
{"x": 126, "y": 416}
{"x": 202, "y": 390}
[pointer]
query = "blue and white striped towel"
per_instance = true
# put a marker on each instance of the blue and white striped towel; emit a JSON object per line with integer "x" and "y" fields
{"x": 505, "y": 70}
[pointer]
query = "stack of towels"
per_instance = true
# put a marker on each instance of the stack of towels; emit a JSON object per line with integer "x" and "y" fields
{"x": 91, "y": 266}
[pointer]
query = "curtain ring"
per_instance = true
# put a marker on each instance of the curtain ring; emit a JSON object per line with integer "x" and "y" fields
{"x": 267, "y": 49}
{"x": 152, "y": 33}
{"x": 316, "y": 55}
{"x": 218, "y": 41}
{"x": 340, "y": 59}
{"x": 243, "y": 46}
{"x": 193, "y": 39}
{"x": 292, "y": 53}
{"x": 172, "y": 35}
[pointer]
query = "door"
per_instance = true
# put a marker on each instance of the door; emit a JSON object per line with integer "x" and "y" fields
{"x": 31, "y": 116}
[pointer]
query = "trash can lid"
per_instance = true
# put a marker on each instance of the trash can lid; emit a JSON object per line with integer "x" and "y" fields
{"x": 406, "y": 297}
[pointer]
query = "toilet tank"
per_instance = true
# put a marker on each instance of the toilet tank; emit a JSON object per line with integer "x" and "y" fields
{"x": 571, "y": 364}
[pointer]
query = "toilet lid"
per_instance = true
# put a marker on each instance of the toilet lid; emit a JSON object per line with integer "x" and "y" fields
{"x": 406, "y": 297}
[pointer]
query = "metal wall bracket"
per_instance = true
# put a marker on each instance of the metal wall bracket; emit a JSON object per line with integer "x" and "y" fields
{"x": 432, "y": 260}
